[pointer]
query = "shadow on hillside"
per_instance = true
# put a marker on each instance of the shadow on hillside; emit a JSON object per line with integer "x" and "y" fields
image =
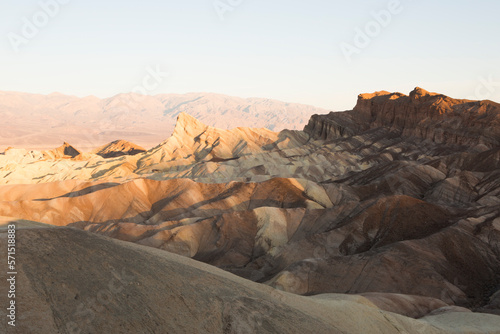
{"x": 82, "y": 192}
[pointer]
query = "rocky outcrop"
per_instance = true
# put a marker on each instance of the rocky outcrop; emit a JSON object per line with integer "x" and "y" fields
{"x": 65, "y": 150}
{"x": 118, "y": 148}
{"x": 435, "y": 117}
{"x": 192, "y": 141}
{"x": 332, "y": 126}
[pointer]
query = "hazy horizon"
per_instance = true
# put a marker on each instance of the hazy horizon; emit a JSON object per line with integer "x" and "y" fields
{"x": 319, "y": 53}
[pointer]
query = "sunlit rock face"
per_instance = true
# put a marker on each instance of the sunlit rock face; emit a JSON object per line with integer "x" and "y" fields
{"x": 436, "y": 117}
{"x": 396, "y": 201}
{"x": 118, "y": 148}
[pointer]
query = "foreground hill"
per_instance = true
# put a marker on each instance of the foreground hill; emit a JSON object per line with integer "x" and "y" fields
{"x": 373, "y": 202}
{"x": 35, "y": 121}
{"x": 66, "y": 285}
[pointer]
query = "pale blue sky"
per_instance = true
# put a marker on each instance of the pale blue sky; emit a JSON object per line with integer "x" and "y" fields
{"x": 283, "y": 49}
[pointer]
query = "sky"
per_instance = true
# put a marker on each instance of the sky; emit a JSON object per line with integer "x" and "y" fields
{"x": 318, "y": 52}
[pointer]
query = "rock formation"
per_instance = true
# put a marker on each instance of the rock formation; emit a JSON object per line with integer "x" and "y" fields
{"x": 395, "y": 203}
{"x": 435, "y": 117}
{"x": 65, "y": 150}
{"x": 118, "y": 148}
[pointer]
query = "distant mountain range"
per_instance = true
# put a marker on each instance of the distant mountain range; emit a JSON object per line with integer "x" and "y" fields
{"x": 35, "y": 121}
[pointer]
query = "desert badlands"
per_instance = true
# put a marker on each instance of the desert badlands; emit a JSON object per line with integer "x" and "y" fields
{"x": 380, "y": 219}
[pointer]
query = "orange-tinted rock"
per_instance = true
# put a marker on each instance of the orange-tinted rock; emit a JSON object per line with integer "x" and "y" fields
{"x": 425, "y": 115}
{"x": 118, "y": 148}
{"x": 65, "y": 150}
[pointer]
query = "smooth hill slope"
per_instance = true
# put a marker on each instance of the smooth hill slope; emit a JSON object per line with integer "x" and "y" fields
{"x": 68, "y": 286}
{"x": 297, "y": 235}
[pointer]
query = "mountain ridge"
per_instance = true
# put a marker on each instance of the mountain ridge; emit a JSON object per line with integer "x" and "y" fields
{"x": 43, "y": 121}
{"x": 422, "y": 114}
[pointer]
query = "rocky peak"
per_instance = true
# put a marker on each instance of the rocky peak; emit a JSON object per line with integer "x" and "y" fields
{"x": 118, "y": 148}
{"x": 69, "y": 150}
{"x": 369, "y": 96}
{"x": 8, "y": 149}
{"x": 65, "y": 150}
{"x": 418, "y": 93}
{"x": 422, "y": 114}
{"x": 187, "y": 125}
{"x": 194, "y": 141}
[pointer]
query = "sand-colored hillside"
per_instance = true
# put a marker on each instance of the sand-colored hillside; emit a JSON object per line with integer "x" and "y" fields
{"x": 69, "y": 286}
